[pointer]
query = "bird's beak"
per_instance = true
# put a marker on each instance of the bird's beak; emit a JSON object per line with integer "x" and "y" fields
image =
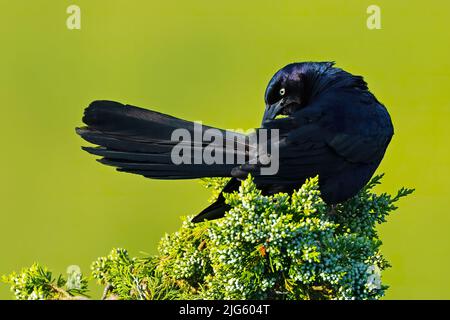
{"x": 272, "y": 111}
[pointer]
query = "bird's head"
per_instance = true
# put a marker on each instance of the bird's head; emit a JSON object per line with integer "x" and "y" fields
{"x": 294, "y": 86}
{"x": 285, "y": 92}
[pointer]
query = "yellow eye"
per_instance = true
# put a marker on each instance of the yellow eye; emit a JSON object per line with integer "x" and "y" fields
{"x": 282, "y": 91}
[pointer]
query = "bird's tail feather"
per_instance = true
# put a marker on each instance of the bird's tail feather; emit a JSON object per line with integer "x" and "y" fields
{"x": 139, "y": 141}
{"x": 218, "y": 208}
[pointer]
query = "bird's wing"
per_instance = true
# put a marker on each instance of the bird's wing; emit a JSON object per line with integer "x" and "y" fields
{"x": 360, "y": 127}
{"x": 139, "y": 141}
{"x": 359, "y": 148}
{"x": 306, "y": 156}
{"x": 328, "y": 136}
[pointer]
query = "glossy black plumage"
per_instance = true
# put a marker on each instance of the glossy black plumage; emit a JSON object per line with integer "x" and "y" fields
{"x": 334, "y": 127}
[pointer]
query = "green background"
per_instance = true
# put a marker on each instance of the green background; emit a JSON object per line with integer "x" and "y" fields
{"x": 209, "y": 61}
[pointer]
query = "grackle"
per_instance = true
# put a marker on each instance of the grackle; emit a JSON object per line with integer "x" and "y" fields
{"x": 329, "y": 125}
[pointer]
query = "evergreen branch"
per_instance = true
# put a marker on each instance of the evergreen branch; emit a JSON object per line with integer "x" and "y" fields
{"x": 266, "y": 247}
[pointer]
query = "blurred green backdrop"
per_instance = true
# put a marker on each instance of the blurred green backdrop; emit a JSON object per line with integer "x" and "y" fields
{"x": 201, "y": 60}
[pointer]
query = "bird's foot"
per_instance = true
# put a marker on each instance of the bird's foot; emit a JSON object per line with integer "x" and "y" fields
{"x": 332, "y": 210}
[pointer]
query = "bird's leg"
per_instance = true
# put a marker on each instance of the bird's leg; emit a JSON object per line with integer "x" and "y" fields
{"x": 332, "y": 209}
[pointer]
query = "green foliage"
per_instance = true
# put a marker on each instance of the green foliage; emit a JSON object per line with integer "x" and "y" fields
{"x": 37, "y": 283}
{"x": 132, "y": 278}
{"x": 215, "y": 185}
{"x": 266, "y": 247}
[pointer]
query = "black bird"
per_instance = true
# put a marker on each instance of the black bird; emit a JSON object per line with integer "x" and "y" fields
{"x": 332, "y": 126}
